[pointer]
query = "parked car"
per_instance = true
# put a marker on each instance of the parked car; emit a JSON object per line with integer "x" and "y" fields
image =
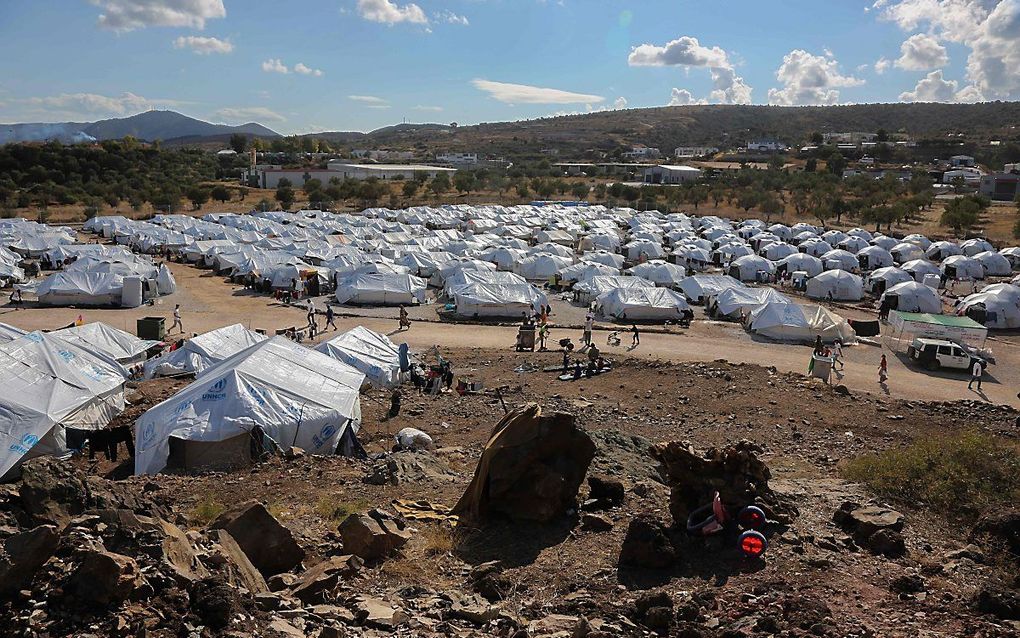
{"x": 934, "y": 354}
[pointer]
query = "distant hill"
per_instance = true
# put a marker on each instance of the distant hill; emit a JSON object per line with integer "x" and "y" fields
{"x": 717, "y": 125}
{"x": 148, "y": 126}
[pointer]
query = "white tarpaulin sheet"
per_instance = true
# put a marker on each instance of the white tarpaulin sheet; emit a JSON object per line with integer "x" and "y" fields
{"x": 802, "y": 323}
{"x": 10, "y": 333}
{"x": 203, "y": 351}
{"x": 47, "y": 384}
{"x": 497, "y": 300}
{"x": 381, "y": 289}
{"x": 106, "y": 340}
{"x": 367, "y": 351}
{"x": 296, "y": 396}
{"x": 80, "y": 288}
{"x": 733, "y": 302}
{"x": 642, "y": 304}
{"x": 698, "y": 288}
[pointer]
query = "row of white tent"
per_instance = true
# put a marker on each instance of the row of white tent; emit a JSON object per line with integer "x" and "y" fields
{"x": 75, "y": 378}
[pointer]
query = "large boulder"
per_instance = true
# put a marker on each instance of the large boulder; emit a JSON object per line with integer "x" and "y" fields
{"x": 238, "y": 568}
{"x": 374, "y": 535}
{"x": 23, "y": 554}
{"x": 647, "y": 545}
{"x": 53, "y": 491}
{"x": 106, "y": 578}
{"x": 530, "y": 469}
{"x": 269, "y": 546}
{"x": 735, "y": 472}
{"x": 324, "y": 577}
{"x": 1002, "y": 527}
{"x": 875, "y": 527}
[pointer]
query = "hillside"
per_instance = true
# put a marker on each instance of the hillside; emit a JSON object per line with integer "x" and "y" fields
{"x": 719, "y": 125}
{"x": 148, "y": 126}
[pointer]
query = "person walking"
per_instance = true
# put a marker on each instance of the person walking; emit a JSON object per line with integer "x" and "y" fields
{"x": 589, "y": 323}
{"x": 405, "y": 323}
{"x": 837, "y": 353}
{"x": 883, "y": 370}
{"x": 635, "y": 336}
{"x": 330, "y": 318}
{"x": 975, "y": 375}
{"x": 177, "y": 320}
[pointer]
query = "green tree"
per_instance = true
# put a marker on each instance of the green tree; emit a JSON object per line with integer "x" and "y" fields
{"x": 220, "y": 193}
{"x": 312, "y": 185}
{"x": 600, "y": 191}
{"x": 817, "y": 139}
{"x": 580, "y": 191}
{"x": 523, "y": 192}
{"x": 963, "y": 213}
{"x": 285, "y": 195}
{"x": 198, "y": 196}
{"x": 464, "y": 181}
{"x": 749, "y": 199}
{"x": 242, "y": 192}
{"x": 239, "y": 143}
{"x": 836, "y": 163}
{"x": 410, "y": 188}
{"x": 769, "y": 205}
{"x": 439, "y": 184}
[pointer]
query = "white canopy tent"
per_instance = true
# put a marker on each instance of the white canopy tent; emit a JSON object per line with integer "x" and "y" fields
{"x": 911, "y": 296}
{"x": 659, "y": 272}
{"x": 369, "y": 352}
{"x": 642, "y": 304}
{"x": 698, "y": 288}
{"x": 381, "y": 289}
{"x": 202, "y": 352}
{"x": 295, "y": 396}
{"x": 497, "y": 300}
{"x": 800, "y": 323}
{"x": 46, "y": 385}
{"x": 735, "y": 303}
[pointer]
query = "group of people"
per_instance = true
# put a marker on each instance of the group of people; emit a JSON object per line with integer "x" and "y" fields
{"x": 596, "y": 363}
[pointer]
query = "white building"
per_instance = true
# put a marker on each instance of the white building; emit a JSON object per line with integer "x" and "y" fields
{"x": 642, "y": 152}
{"x": 386, "y": 171}
{"x": 379, "y": 156}
{"x": 961, "y": 160}
{"x": 766, "y": 146}
{"x": 850, "y": 137}
{"x": 666, "y": 174}
{"x": 688, "y": 152}
{"x": 457, "y": 158}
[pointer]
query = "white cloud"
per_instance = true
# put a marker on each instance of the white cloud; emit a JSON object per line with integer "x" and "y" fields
{"x": 127, "y": 15}
{"x": 620, "y": 103}
{"x": 921, "y": 52}
{"x": 452, "y": 18}
{"x": 370, "y": 101}
{"x": 524, "y": 94}
{"x": 683, "y": 97}
{"x": 202, "y": 45}
{"x": 935, "y": 88}
{"x": 305, "y": 70}
{"x": 990, "y": 28}
{"x": 92, "y": 105}
{"x": 243, "y": 115}
{"x": 388, "y": 12}
{"x": 432, "y": 109}
{"x": 686, "y": 51}
{"x": 809, "y": 79}
{"x": 882, "y": 65}
{"x": 275, "y": 65}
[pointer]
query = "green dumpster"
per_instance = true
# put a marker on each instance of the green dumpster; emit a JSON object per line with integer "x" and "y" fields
{"x": 153, "y": 328}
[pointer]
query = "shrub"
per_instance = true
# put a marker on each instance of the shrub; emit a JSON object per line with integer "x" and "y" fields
{"x": 959, "y": 473}
{"x": 332, "y": 508}
{"x": 206, "y": 511}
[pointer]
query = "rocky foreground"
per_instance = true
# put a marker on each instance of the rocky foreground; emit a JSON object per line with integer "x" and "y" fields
{"x": 547, "y": 527}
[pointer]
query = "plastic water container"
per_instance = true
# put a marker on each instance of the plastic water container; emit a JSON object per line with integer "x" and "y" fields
{"x": 131, "y": 295}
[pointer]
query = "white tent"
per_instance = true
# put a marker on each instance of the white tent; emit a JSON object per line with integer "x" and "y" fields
{"x": 504, "y": 258}
{"x": 698, "y": 288}
{"x": 1012, "y": 253}
{"x": 100, "y": 338}
{"x": 604, "y": 257}
{"x": 853, "y": 244}
{"x": 497, "y": 300}
{"x": 367, "y": 351}
{"x": 996, "y": 306}
{"x": 911, "y": 296}
{"x": 884, "y": 242}
{"x": 974, "y": 246}
{"x": 79, "y": 288}
{"x": 644, "y": 249}
{"x": 295, "y": 396}
{"x": 919, "y": 268}
{"x": 815, "y": 246}
{"x": 541, "y": 266}
{"x": 874, "y": 257}
{"x": 995, "y": 265}
{"x": 381, "y": 289}
{"x": 962, "y": 267}
{"x": 661, "y": 273}
{"x": 800, "y": 323}
{"x": 586, "y": 270}
{"x": 838, "y": 259}
{"x": 737, "y": 302}
{"x": 48, "y": 384}
{"x": 750, "y": 268}
{"x": 879, "y": 280}
{"x": 202, "y": 352}
{"x": 801, "y": 262}
{"x": 642, "y": 304}
{"x": 591, "y": 288}
{"x": 906, "y": 251}
{"x": 838, "y": 285}
{"x": 920, "y": 240}
{"x": 778, "y": 251}
{"x": 941, "y": 249}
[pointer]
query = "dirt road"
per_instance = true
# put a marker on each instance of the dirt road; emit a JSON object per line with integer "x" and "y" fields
{"x": 208, "y": 303}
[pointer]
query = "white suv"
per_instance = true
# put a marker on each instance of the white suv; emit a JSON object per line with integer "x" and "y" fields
{"x": 938, "y": 353}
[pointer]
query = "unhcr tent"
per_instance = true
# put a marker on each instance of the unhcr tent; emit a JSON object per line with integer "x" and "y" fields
{"x": 698, "y": 288}
{"x": 367, "y": 351}
{"x": 642, "y": 304}
{"x": 800, "y": 323}
{"x": 203, "y": 351}
{"x": 879, "y": 280}
{"x": 586, "y": 270}
{"x": 10, "y": 333}
{"x": 838, "y": 285}
{"x": 995, "y": 264}
{"x": 79, "y": 288}
{"x": 661, "y": 273}
{"x": 995, "y": 307}
{"x": 99, "y": 338}
{"x": 591, "y": 288}
{"x": 737, "y": 302}
{"x": 874, "y": 257}
{"x": 541, "y": 266}
{"x": 919, "y": 268}
{"x": 293, "y": 395}
{"x": 962, "y": 267}
{"x": 497, "y": 300}
{"x": 801, "y": 262}
{"x": 46, "y": 385}
{"x": 911, "y": 296}
{"x": 381, "y": 289}
{"x": 750, "y": 268}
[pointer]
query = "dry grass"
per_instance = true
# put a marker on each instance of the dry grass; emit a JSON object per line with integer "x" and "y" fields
{"x": 331, "y": 507}
{"x": 959, "y": 474}
{"x": 438, "y": 539}
{"x": 205, "y": 511}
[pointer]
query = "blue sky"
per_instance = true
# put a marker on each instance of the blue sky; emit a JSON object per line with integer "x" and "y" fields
{"x": 311, "y": 65}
